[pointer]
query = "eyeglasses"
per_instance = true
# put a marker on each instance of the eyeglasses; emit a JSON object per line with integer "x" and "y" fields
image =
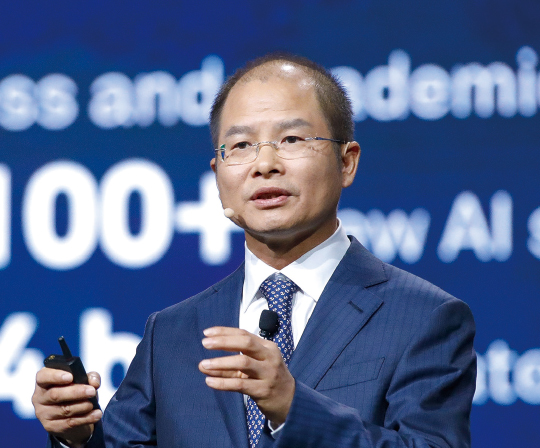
{"x": 290, "y": 147}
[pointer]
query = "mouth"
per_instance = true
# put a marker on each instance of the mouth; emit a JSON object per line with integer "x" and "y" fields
{"x": 270, "y": 197}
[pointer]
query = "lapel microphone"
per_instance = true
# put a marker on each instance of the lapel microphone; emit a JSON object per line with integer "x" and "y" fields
{"x": 269, "y": 324}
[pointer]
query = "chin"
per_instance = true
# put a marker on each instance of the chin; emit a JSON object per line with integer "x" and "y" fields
{"x": 269, "y": 227}
{"x": 275, "y": 228}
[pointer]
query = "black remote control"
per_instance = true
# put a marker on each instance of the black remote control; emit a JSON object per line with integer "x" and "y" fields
{"x": 71, "y": 364}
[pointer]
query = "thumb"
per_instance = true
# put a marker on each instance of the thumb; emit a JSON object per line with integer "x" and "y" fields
{"x": 94, "y": 379}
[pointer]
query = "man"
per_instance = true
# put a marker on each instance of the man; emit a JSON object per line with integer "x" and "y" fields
{"x": 381, "y": 357}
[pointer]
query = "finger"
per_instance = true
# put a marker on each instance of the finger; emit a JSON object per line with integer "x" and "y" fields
{"x": 248, "y": 386}
{"x": 68, "y": 394}
{"x": 247, "y": 343}
{"x": 66, "y": 410}
{"x": 229, "y": 366}
{"x": 94, "y": 379}
{"x": 47, "y": 377}
{"x": 62, "y": 425}
{"x": 242, "y": 385}
{"x": 226, "y": 374}
{"x": 223, "y": 331}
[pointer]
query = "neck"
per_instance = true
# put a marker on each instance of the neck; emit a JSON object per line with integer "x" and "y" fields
{"x": 280, "y": 251}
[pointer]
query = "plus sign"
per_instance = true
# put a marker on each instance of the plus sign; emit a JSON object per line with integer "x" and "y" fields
{"x": 206, "y": 218}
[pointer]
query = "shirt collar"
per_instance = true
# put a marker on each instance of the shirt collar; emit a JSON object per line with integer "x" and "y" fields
{"x": 310, "y": 272}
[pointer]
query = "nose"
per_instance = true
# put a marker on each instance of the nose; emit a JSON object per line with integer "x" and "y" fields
{"x": 267, "y": 161}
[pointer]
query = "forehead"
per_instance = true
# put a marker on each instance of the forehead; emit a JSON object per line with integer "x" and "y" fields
{"x": 270, "y": 94}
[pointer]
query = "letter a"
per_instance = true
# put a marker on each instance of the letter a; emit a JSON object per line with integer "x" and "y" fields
{"x": 466, "y": 228}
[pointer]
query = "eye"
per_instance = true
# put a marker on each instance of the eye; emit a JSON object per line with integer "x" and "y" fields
{"x": 241, "y": 145}
{"x": 291, "y": 139}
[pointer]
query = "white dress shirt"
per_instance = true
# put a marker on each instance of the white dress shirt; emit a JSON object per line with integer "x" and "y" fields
{"x": 310, "y": 272}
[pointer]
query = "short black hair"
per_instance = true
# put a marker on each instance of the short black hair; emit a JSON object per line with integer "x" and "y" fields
{"x": 331, "y": 95}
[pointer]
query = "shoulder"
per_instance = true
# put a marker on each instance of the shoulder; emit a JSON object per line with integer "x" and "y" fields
{"x": 409, "y": 285}
{"x": 397, "y": 286}
{"x": 189, "y": 306}
{"x": 412, "y": 312}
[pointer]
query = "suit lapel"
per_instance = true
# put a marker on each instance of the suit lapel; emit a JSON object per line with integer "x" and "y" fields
{"x": 222, "y": 309}
{"x": 344, "y": 307}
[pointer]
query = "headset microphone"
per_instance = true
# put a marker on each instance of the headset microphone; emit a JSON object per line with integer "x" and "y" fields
{"x": 228, "y": 212}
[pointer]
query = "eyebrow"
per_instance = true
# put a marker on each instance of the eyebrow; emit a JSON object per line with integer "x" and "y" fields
{"x": 235, "y": 130}
{"x": 281, "y": 126}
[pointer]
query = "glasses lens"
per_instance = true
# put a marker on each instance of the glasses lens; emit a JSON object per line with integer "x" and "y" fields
{"x": 241, "y": 154}
{"x": 294, "y": 148}
{"x": 290, "y": 147}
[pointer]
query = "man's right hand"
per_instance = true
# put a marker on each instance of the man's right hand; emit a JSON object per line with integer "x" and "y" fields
{"x": 63, "y": 408}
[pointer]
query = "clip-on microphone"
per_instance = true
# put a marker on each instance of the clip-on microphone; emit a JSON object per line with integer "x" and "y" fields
{"x": 269, "y": 324}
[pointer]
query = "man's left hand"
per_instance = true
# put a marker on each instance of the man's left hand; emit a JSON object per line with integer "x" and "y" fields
{"x": 258, "y": 371}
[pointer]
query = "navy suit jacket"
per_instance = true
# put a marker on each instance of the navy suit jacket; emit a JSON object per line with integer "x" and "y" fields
{"x": 386, "y": 360}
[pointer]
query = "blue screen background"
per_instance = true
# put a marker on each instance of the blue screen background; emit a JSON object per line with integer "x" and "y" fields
{"x": 451, "y": 198}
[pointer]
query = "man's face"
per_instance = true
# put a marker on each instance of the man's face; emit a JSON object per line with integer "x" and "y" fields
{"x": 273, "y": 197}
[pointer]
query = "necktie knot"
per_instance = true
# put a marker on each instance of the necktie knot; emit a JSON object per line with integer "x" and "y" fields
{"x": 279, "y": 290}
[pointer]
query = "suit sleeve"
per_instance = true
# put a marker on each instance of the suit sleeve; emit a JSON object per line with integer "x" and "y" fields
{"x": 428, "y": 400}
{"x": 129, "y": 419}
{"x": 96, "y": 441}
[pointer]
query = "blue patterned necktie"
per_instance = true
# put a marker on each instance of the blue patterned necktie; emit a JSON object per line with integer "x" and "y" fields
{"x": 278, "y": 291}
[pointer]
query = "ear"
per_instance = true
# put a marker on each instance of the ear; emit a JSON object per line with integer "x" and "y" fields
{"x": 214, "y": 169}
{"x": 350, "y": 156}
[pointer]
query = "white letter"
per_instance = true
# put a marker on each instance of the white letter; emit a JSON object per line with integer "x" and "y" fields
{"x": 527, "y": 59}
{"x": 18, "y": 107}
{"x": 111, "y": 103}
{"x": 197, "y": 90}
{"x": 387, "y": 94}
{"x": 484, "y": 80}
{"x": 18, "y": 364}
{"x": 409, "y": 233}
{"x": 501, "y": 225}
{"x": 506, "y": 91}
{"x": 39, "y": 215}
{"x": 381, "y": 237}
{"x": 58, "y": 106}
{"x": 430, "y": 88}
{"x": 353, "y": 83}
{"x": 466, "y": 228}
{"x": 538, "y": 88}
{"x": 101, "y": 349}
{"x": 533, "y": 224}
{"x": 356, "y": 224}
{"x": 387, "y": 236}
{"x": 500, "y": 360}
{"x": 155, "y": 91}
{"x": 206, "y": 218}
{"x": 481, "y": 393}
{"x": 157, "y": 203}
{"x": 527, "y": 376}
{"x": 5, "y": 216}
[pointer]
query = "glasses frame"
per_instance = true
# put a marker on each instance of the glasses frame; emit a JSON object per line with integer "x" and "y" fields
{"x": 274, "y": 144}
